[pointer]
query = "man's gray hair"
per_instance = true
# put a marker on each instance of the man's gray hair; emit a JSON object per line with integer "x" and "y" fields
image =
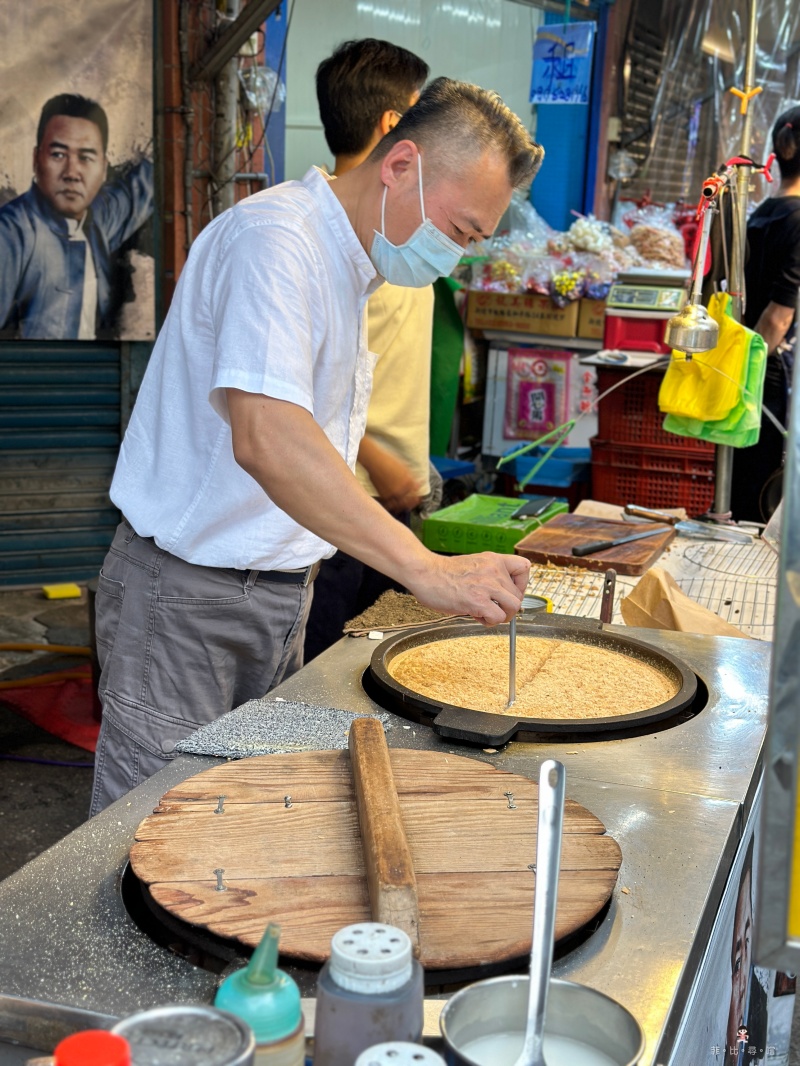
{"x": 462, "y": 119}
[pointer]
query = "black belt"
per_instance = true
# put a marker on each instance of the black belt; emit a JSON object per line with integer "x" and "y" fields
{"x": 290, "y": 577}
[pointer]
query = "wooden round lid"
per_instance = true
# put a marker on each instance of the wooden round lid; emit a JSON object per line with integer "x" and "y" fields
{"x": 276, "y": 838}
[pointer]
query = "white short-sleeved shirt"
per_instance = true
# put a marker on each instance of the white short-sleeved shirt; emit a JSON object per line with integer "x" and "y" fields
{"x": 271, "y": 300}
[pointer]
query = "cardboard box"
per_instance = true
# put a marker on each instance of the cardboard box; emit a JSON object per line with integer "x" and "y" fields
{"x": 482, "y": 523}
{"x": 591, "y": 319}
{"x": 521, "y": 313}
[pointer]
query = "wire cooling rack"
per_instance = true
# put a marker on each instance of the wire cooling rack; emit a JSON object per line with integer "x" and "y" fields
{"x": 735, "y": 581}
{"x": 575, "y": 591}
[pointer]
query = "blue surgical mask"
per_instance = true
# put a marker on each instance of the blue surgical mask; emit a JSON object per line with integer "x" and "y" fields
{"x": 428, "y": 253}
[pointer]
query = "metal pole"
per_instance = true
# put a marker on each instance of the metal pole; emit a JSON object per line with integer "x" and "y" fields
{"x": 226, "y": 93}
{"x": 775, "y": 877}
{"x": 724, "y": 465}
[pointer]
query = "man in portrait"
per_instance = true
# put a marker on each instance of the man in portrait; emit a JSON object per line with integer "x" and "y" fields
{"x": 59, "y": 240}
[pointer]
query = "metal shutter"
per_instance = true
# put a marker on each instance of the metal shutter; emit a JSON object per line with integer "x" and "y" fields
{"x": 59, "y": 438}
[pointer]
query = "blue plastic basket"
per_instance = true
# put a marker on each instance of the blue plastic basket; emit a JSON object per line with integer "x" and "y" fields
{"x": 564, "y": 467}
{"x": 452, "y": 467}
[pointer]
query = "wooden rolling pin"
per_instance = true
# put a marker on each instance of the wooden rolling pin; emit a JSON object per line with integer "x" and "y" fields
{"x": 387, "y": 856}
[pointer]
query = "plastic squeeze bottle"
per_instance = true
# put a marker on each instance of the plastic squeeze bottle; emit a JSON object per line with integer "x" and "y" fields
{"x": 269, "y": 1001}
{"x": 369, "y": 991}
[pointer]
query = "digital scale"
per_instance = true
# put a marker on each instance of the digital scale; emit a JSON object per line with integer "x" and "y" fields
{"x": 645, "y": 298}
{"x": 639, "y": 305}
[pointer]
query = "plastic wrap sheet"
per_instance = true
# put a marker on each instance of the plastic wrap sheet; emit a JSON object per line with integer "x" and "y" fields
{"x": 696, "y": 122}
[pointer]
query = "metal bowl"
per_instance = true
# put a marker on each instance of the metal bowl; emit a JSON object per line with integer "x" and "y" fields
{"x": 489, "y": 729}
{"x": 500, "y": 1004}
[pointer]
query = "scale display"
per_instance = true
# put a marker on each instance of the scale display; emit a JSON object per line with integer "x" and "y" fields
{"x": 646, "y": 298}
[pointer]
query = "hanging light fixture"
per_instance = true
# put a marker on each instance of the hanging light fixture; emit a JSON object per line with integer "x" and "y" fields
{"x": 693, "y": 329}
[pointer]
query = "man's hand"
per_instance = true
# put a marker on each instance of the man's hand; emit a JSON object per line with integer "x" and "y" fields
{"x": 398, "y": 490}
{"x": 487, "y": 586}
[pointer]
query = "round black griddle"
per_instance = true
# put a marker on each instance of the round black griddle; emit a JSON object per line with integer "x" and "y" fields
{"x": 489, "y": 729}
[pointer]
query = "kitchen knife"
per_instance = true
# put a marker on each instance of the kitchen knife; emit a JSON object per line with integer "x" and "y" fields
{"x": 690, "y": 528}
{"x": 603, "y": 545}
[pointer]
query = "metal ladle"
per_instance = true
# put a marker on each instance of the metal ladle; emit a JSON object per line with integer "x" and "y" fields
{"x": 548, "y": 858}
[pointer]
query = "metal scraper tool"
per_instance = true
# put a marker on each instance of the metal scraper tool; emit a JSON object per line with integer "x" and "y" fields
{"x": 512, "y": 661}
{"x": 690, "y": 528}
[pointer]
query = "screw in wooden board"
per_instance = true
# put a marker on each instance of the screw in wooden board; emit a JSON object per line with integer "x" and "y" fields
{"x": 220, "y": 807}
{"x": 287, "y": 801}
{"x": 220, "y": 887}
{"x": 510, "y": 797}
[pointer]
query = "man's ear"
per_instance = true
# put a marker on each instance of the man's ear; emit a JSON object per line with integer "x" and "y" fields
{"x": 398, "y": 163}
{"x": 388, "y": 121}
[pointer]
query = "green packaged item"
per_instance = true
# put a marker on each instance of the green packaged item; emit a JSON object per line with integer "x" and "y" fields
{"x": 482, "y": 523}
{"x": 742, "y": 426}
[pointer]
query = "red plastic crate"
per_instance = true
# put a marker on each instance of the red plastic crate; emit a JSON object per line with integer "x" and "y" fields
{"x": 655, "y": 460}
{"x": 651, "y": 477}
{"x": 630, "y": 415}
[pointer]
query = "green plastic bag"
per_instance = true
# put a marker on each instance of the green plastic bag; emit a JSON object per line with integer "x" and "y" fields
{"x": 742, "y": 426}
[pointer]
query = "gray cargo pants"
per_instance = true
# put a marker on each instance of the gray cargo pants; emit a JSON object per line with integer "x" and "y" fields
{"x": 179, "y": 645}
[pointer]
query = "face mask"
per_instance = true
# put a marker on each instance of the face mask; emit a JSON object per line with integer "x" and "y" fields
{"x": 428, "y": 253}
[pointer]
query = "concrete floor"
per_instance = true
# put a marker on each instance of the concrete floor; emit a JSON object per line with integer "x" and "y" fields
{"x": 40, "y": 803}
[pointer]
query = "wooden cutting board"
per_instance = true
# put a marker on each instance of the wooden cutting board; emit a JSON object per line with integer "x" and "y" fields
{"x": 301, "y": 865}
{"x": 554, "y": 541}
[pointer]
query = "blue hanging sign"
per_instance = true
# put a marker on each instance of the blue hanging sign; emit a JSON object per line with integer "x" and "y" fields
{"x": 562, "y": 63}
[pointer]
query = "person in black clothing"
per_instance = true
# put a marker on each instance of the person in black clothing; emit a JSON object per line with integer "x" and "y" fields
{"x": 772, "y": 282}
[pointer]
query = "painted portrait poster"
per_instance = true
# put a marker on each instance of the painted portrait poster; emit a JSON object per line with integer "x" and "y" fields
{"x": 76, "y": 171}
{"x": 537, "y": 392}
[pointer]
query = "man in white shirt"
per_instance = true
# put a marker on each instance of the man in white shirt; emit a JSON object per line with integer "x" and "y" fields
{"x": 236, "y": 473}
{"x": 363, "y": 89}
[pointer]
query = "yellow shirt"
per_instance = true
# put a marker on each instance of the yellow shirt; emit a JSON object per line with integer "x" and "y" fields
{"x": 399, "y": 327}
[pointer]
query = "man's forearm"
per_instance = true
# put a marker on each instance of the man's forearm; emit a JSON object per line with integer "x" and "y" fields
{"x": 281, "y": 446}
{"x": 773, "y": 324}
{"x": 394, "y": 483}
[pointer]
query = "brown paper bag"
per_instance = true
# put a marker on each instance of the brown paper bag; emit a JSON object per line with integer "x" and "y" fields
{"x": 658, "y": 603}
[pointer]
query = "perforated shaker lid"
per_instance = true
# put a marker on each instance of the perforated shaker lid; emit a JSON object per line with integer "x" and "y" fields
{"x": 370, "y": 958}
{"x": 399, "y": 1053}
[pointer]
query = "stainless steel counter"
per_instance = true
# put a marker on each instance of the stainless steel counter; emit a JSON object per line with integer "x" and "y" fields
{"x": 675, "y": 799}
